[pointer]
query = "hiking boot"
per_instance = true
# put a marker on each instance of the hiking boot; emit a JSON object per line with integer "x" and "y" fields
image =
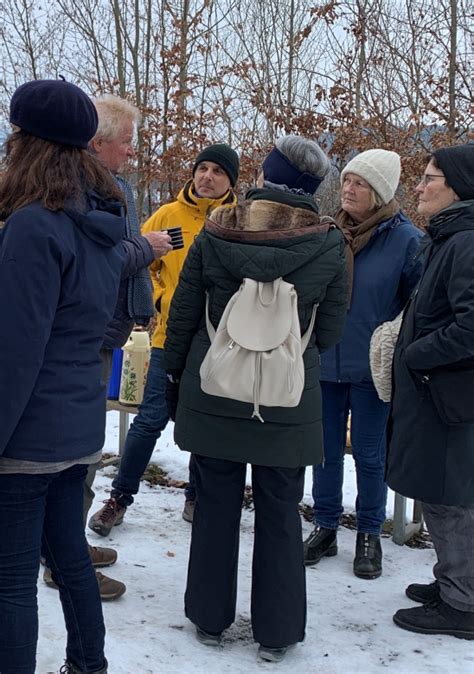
{"x": 437, "y": 617}
{"x": 69, "y": 668}
{"x": 208, "y": 638}
{"x": 188, "y": 511}
{"x": 368, "y": 557}
{"x": 101, "y": 557}
{"x": 272, "y": 654}
{"x": 109, "y": 589}
{"x": 320, "y": 543}
{"x": 423, "y": 593}
{"x": 109, "y": 516}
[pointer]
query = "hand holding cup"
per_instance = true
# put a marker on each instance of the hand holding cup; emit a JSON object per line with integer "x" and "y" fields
{"x": 176, "y": 236}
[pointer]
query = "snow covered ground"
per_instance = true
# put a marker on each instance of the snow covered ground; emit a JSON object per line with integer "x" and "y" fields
{"x": 349, "y": 627}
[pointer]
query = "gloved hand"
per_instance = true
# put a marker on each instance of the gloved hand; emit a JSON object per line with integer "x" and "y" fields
{"x": 172, "y": 393}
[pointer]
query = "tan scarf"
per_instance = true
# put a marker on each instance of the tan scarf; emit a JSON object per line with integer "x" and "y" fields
{"x": 357, "y": 235}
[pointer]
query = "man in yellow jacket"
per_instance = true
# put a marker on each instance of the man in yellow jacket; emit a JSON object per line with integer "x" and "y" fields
{"x": 215, "y": 173}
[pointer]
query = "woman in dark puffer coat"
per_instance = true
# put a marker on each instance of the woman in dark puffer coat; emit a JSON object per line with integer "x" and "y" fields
{"x": 275, "y": 232}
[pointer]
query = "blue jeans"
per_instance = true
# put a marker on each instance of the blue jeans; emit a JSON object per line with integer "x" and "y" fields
{"x": 368, "y": 423}
{"x": 42, "y": 514}
{"x": 144, "y": 431}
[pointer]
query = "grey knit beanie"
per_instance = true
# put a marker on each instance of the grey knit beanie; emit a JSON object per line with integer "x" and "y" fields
{"x": 380, "y": 168}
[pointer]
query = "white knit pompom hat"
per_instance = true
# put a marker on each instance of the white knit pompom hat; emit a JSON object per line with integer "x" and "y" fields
{"x": 381, "y": 169}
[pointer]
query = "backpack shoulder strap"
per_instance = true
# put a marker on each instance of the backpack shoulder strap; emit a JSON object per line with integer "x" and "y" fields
{"x": 210, "y": 328}
{"x": 307, "y": 335}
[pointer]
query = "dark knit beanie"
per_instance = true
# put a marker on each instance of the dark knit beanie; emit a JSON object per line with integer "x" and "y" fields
{"x": 457, "y": 164}
{"x": 54, "y": 110}
{"x": 221, "y": 154}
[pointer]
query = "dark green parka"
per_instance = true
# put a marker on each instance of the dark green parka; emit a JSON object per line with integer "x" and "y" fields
{"x": 261, "y": 239}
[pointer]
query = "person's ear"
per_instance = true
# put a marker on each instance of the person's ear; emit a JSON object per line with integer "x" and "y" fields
{"x": 96, "y": 144}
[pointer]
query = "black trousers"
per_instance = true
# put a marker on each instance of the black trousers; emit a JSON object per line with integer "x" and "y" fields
{"x": 278, "y": 608}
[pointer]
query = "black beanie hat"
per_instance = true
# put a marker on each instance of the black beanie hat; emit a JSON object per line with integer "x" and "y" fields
{"x": 457, "y": 164}
{"x": 54, "y": 110}
{"x": 221, "y": 154}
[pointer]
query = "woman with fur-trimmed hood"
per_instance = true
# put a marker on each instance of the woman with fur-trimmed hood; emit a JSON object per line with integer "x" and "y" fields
{"x": 276, "y": 232}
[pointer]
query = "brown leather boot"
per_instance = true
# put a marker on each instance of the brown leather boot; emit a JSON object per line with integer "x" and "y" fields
{"x": 101, "y": 557}
{"x": 109, "y": 516}
{"x": 109, "y": 588}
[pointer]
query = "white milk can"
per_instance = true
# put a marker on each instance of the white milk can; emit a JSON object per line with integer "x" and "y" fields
{"x": 136, "y": 357}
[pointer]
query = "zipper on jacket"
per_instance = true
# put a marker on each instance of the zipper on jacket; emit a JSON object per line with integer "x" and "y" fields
{"x": 338, "y": 364}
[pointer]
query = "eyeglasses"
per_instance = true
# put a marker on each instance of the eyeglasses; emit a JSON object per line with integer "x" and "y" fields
{"x": 426, "y": 178}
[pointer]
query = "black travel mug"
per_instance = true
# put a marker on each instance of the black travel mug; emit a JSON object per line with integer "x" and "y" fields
{"x": 176, "y": 235}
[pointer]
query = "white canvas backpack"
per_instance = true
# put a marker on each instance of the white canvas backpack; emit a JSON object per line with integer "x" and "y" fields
{"x": 256, "y": 353}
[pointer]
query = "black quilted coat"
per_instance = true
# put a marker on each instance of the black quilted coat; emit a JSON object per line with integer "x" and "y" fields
{"x": 260, "y": 239}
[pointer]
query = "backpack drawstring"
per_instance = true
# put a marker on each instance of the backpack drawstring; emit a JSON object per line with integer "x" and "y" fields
{"x": 256, "y": 389}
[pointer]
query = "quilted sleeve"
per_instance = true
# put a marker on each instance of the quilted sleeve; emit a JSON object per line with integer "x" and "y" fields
{"x": 186, "y": 311}
{"x": 331, "y": 315}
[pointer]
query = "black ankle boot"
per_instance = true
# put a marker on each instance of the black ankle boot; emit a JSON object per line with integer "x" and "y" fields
{"x": 423, "y": 593}
{"x": 436, "y": 617}
{"x": 320, "y": 543}
{"x": 69, "y": 668}
{"x": 368, "y": 557}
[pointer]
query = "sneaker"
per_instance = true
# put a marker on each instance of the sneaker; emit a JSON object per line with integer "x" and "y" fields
{"x": 437, "y": 617}
{"x": 320, "y": 543}
{"x": 368, "y": 557}
{"x": 109, "y": 516}
{"x": 272, "y": 654}
{"x": 109, "y": 588}
{"x": 208, "y": 638}
{"x": 101, "y": 557}
{"x": 188, "y": 511}
{"x": 423, "y": 593}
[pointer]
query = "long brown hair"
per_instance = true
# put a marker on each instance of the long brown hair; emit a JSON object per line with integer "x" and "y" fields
{"x": 38, "y": 170}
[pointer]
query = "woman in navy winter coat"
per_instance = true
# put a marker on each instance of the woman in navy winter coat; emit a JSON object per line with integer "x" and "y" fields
{"x": 383, "y": 269}
{"x": 59, "y": 275}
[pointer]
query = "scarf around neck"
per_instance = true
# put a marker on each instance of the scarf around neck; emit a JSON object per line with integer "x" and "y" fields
{"x": 357, "y": 235}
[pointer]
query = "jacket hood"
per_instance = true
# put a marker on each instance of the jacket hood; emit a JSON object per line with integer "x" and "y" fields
{"x": 202, "y": 205}
{"x": 263, "y": 239}
{"x": 102, "y": 221}
{"x": 456, "y": 218}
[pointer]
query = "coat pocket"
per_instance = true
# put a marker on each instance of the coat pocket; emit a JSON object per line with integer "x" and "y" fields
{"x": 452, "y": 392}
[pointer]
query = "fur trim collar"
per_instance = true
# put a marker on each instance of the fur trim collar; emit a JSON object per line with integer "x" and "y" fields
{"x": 265, "y": 220}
